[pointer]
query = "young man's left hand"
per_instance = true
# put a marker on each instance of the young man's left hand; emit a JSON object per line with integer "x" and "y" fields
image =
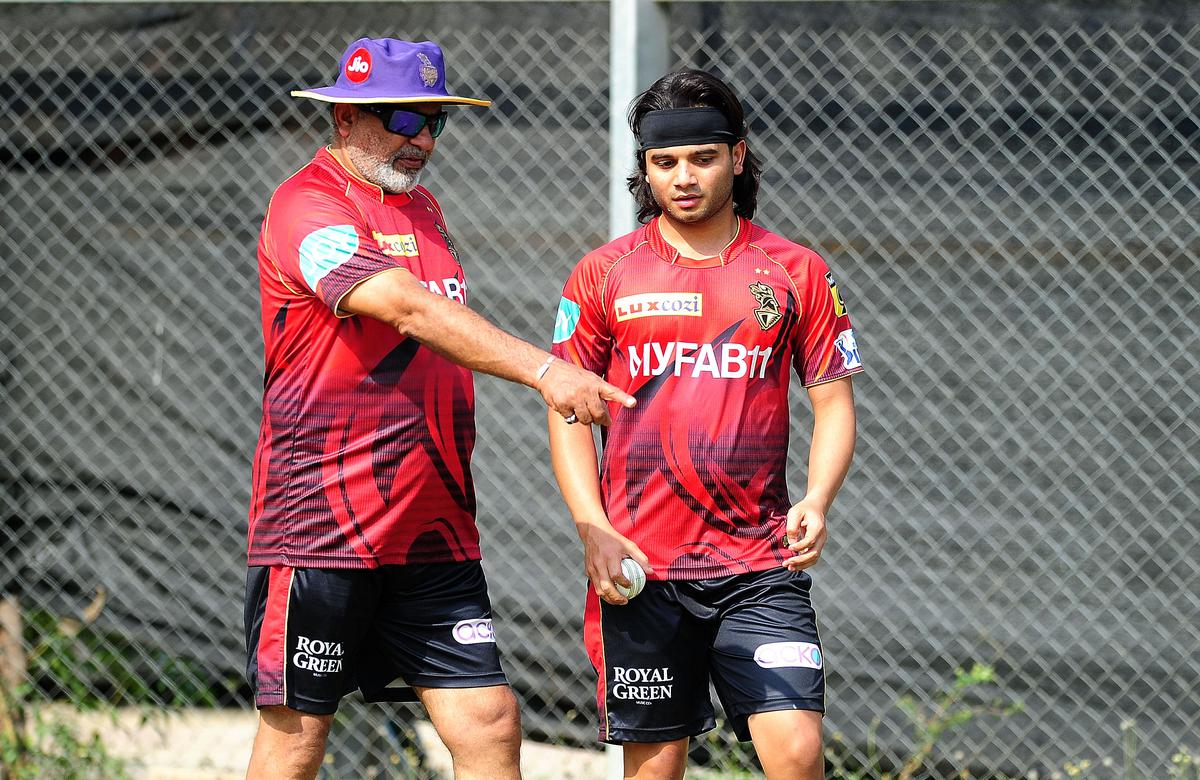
{"x": 806, "y": 535}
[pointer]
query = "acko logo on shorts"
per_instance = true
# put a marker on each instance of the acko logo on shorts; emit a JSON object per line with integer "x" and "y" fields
{"x": 473, "y": 632}
{"x": 804, "y": 655}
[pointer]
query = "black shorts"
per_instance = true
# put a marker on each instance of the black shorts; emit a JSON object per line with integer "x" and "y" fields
{"x": 753, "y": 635}
{"x": 313, "y": 635}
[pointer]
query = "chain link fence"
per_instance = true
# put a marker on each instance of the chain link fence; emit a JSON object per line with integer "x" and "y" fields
{"x": 1009, "y": 194}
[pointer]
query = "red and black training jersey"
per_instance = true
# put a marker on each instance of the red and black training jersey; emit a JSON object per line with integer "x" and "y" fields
{"x": 695, "y": 473}
{"x": 364, "y": 452}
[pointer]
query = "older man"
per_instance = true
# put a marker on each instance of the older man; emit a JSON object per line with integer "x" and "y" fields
{"x": 364, "y": 555}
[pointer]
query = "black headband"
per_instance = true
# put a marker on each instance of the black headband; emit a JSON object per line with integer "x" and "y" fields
{"x": 684, "y": 127}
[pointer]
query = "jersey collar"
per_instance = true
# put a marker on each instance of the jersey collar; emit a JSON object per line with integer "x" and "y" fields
{"x": 663, "y": 249}
{"x": 350, "y": 180}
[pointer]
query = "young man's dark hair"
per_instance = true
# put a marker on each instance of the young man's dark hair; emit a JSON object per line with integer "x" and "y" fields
{"x": 693, "y": 89}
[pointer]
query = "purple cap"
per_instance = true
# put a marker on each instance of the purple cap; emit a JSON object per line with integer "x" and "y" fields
{"x": 385, "y": 70}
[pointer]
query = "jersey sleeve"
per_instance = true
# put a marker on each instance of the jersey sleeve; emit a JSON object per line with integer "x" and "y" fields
{"x": 581, "y": 333}
{"x": 826, "y": 349}
{"x": 320, "y": 246}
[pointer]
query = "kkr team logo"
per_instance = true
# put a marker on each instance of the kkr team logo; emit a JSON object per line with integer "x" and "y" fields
{"x": 768, "y": 312}
{"x": 429, "y": 74}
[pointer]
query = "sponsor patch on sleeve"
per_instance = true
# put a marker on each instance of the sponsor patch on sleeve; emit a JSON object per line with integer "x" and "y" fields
{"x": 566, "y": 321}
{"x": 848, "y": 347}
{"x": 839, "y": 306}
{"x": 325, "y": 249}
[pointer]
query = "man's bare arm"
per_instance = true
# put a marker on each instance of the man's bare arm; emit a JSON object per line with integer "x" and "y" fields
{"x": 573, "y": 454}
{"x": 464, "y": 337}
{"x": 828, "y": 462}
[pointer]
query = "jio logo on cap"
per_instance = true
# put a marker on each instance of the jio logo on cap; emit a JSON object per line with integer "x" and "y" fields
{"x": 358, "y": 67}
{"x": 473, "y": 632}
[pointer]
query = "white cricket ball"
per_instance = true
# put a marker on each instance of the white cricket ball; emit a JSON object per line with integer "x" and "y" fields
{"x": 636, "y": 576}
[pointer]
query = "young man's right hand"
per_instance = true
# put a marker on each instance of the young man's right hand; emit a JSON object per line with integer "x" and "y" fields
{"x": 571, "y": 390}
{"x": 603, "y": 550}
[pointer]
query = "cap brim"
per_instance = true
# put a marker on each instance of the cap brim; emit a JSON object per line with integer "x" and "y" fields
{"x": 334, "y": 95}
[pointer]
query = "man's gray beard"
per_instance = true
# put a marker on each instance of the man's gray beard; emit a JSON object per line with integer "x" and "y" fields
{"x": 383, "y": 174}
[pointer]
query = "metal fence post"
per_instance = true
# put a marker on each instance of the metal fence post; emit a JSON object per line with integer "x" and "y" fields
{"x": 638, "y": 55}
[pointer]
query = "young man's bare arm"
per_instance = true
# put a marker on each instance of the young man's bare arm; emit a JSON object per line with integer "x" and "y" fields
{"x": 828, "y": 461}
{"x": 573, "y": 455}
{"x": 458, "y": 333}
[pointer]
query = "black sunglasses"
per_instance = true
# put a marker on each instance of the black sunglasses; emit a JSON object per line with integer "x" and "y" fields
{"x": 407, "y": 123}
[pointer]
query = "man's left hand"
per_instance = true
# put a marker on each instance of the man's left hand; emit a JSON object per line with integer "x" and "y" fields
{"x": 806, "y": 535}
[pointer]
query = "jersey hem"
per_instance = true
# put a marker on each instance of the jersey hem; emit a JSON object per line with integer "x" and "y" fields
{"x": 354, "y": 562}
{"x": 752, "y": 568}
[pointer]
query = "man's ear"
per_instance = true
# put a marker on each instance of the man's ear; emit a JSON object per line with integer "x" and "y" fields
{"x": 739, "y": 157}
{"x": 344, "y": 117}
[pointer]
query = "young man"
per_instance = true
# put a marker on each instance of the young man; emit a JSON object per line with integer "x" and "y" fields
{"x": 364, "y": 555}
{"x": 701, "y": 314}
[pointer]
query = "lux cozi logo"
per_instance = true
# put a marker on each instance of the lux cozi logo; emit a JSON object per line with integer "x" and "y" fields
{"x": 396, "y": 244}
{"x": 630, "y": 307}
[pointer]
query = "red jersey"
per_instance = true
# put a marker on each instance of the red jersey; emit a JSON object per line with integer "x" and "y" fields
{"x": 364, "y": 452}
{"x": 695, "y": 473}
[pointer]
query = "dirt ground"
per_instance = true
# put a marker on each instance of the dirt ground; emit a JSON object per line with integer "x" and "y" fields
{"x": 215, "y": 745}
